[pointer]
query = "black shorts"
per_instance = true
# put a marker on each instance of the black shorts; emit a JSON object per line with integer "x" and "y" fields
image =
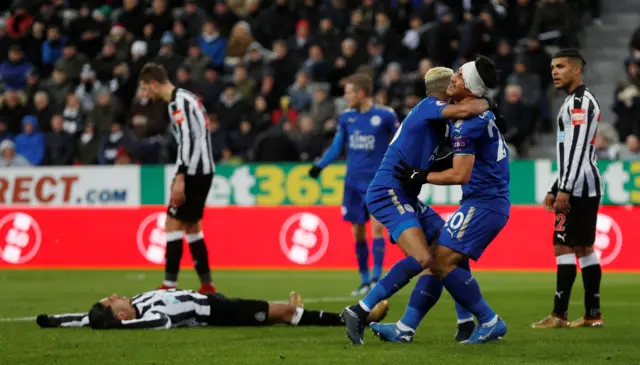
{"x": 237, "y": 312}
{"x": 196, "y": 190}
{"x": 578, "y": 228}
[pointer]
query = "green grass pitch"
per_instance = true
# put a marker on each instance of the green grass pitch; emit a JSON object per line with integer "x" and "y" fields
{"x": 519, "y": 297}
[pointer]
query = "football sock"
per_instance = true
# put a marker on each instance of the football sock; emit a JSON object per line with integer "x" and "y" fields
{"x": 362, "y": 253}
{"x": 399, "y": 276}
{"x": 465, "y": 290}
{"x": 565, "y": 276}
{"x": 423, "y": 297}
{"x": 591, "y": 277}
{"x": 461, "y": 312}
{"x": 172, "y": 256}
{"x": 200, "y": 256}
{"x": 377, "y": 247}
{"x": 305, "y": 317}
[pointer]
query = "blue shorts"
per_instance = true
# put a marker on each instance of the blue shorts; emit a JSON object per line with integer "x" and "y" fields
{"x": 398, "y": 211}
{"x": 470, "y": 230}
{"x": 354, "y": 206}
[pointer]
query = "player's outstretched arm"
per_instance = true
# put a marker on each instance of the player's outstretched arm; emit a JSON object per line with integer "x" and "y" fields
{"x": 465, "y": 109}
{"x": 459, "y": 174}
{"x": 72, "y": 320}
{"x": 331, "y": 154}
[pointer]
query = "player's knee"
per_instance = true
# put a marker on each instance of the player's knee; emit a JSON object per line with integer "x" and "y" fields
{"x": 378, "y": 230}
{"x": 560, "y": 250}
{"x": 583, "y": 251}
{"x": 359, "y": 232}
{"x": 424, "y": 258}
{"x": 172, "y": 224}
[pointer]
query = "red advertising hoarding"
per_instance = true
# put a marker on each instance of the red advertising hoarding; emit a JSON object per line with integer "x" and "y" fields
{"x": 268, "y": 238}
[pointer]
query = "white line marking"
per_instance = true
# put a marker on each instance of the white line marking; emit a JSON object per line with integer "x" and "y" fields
{"x": 20, "y": 319}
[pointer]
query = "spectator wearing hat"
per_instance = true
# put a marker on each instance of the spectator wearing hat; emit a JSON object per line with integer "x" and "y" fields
{"x": 72, "y": 62}
{"x": 14, "y": 71}
{"x": 167, "y": 56}
{"x": 9, "y": 157}
{"x": 87, "y": 146}
{"x": 256, "y": 59}
{"x": 88, "y": 87}
{"x": 30, "y": 143}
{"x": 212, "y": 43}
{"x": 59, "y": 145}
{"x": 299, "y": 44}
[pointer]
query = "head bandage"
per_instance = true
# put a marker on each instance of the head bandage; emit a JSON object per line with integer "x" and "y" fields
{"x": 472, "y": 80}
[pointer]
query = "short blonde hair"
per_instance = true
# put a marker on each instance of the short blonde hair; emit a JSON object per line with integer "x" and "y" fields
{"x": 437, "y": 79}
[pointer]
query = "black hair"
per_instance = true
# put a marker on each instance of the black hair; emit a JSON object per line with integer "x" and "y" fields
{"x": 487, "y": 71}
{"x": 572, "y": 54}
{"x": 101, "y": 317}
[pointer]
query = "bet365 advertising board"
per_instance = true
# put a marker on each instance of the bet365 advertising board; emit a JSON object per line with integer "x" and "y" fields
{"x": 276, "y": 216}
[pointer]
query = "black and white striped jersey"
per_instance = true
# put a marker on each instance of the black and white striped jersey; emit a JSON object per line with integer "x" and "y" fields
{"x": 578, "y": 120}
{"x": 191, "y": 128}
{"x": 158, "y": 309}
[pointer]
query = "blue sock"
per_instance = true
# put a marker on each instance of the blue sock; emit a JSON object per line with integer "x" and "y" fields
{"x": 399, "y": 276}
{"x": 377, "y": 247}
{"x": 423, "y": 297}
{"x": 465, "y": 290}
{"x": 362, "y": 253}
{"x": 463, "y": 314}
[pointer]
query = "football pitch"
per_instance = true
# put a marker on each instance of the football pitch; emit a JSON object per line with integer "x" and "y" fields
{"x": 519, "y": 297}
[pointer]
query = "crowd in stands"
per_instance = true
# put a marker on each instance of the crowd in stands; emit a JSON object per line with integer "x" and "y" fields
{"x": 623, "y": 141}
{"x": 270, "y": 72}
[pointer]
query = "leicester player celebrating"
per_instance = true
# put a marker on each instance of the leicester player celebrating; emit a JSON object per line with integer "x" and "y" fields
{"x": 411, "y": 224}
{"x": 481, "y": 166}
{"x": 366, "y": 129}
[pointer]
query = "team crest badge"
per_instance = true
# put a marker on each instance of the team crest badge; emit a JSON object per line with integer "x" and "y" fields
{"x": 376, "y": 120}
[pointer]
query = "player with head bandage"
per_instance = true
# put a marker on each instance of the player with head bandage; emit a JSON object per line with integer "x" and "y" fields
{"x": 481, "y": 166}
{"x": 411, "y": 224}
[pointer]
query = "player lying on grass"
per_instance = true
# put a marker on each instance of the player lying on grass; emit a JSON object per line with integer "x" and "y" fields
{"x": 164, "y": 309}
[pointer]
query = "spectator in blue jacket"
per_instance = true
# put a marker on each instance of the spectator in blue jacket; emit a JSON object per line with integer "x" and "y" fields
{"x": 30, "y": 143}
{"x": 15, "y": 70}
{"x": 212, "y": 43}
{"x": 52, "y": 47}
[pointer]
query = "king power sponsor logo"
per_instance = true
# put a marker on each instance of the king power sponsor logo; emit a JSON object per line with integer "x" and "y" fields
{"x": 20, "y": 238}
{"x": 75, "y": 186}
{"x": 304, "y": 238}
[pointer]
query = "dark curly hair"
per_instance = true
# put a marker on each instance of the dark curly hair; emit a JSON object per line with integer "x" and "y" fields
{"x": 101, "y": 317}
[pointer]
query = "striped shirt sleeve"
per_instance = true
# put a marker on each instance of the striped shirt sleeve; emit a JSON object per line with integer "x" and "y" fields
{"x": 69, "y": 320}
{"x": 582, "y": 117}
{"x": 150, "y": 320}
{"x": 181, "y": 114}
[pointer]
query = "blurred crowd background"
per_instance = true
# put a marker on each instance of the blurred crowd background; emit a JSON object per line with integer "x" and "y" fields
{"x": 270, "y": 72}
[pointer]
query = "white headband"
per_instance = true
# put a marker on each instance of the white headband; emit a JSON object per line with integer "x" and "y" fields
{"x": 472, "y": 80}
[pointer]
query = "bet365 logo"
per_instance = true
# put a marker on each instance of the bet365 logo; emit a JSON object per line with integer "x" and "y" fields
{"x": 20, "y": 238}
{"x": 304, "y": 238}
{"x": 151, "y": 238}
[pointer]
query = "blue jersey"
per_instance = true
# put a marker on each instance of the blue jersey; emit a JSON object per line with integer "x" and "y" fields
{"x": 489, "y": 184}
{"x": 416, "y": 142}
{"x": 366, "y": 136}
